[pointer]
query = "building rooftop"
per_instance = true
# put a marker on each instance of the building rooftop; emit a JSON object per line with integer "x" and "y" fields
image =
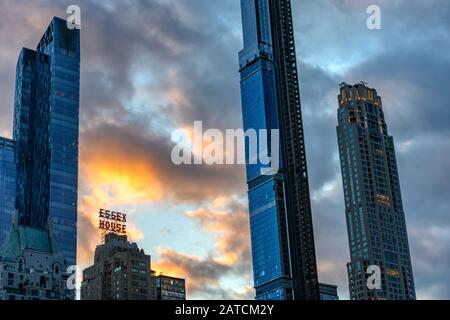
{"x": 5, "y": 142}
{"x": 358, "y": 92}
{"x": 25, "y": 238}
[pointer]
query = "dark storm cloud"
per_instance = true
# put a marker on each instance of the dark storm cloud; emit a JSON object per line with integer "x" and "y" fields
{"x": 120, "y": 38}
{"x": 318, "y": 100}
{"x": 152, "y": 37}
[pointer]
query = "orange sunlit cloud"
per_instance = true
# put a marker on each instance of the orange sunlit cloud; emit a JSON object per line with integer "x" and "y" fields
{"x": 228, "y": 222}
{"x": 111, "y": 179}
{"x": 231, "y": 230}
{"x": 129, "y": 179}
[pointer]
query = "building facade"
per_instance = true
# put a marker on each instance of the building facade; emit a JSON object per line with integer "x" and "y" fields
{"x": 32, "y": 267}
{"x": 328, "y": 292}
{"x": 121, "y": 271}
{"x": 284, "y": 260}
{"x": 41, "y": 206}
{"x": 7, "y": 186}
{"x": 170, "y": 288}
{"x": 374, "y": 209}
{"x": 46, "y": 126}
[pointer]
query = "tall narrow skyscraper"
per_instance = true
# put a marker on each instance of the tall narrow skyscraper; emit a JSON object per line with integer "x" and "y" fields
{"x": 46, "y": 119}
{"x": 374, "y": 209}
{"x": 284, "y": 261}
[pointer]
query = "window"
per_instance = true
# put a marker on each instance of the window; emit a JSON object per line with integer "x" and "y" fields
{"x": 21, "y": 265}
{"x": 42, "y": 282}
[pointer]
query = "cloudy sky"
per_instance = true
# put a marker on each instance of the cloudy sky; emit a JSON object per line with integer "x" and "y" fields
{"x": 149, "y": 67}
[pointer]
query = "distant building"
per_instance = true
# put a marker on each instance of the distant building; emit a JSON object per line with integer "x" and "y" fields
{"x": 31, "y": 266}
{"x": 7, "y": 186}
{"x": 170, "y": 288}
{"x": 328, "y": 292}
{"x": 121, "y": 271}
{"x": 374, "y": 209}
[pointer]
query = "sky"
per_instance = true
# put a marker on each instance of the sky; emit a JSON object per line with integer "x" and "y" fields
{"x": 152, "y": 66}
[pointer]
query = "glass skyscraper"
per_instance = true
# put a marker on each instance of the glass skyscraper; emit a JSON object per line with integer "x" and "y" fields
{"x": 284, "y": 261}
{"x": 7, "y": 186}
{"x": 374, "y": 210}
{"x": 46, "y": 122}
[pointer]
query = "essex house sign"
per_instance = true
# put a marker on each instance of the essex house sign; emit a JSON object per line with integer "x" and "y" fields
{"x": 112, "y": 221}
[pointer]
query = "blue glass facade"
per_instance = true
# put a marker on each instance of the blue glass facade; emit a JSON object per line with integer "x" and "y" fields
{"x": 7, "y": 186}
{"x": 374, "y": 209}
{"x": 46, "y": 123}
{"x": 278, "y": 255}
{"x": 259, "y": 107}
